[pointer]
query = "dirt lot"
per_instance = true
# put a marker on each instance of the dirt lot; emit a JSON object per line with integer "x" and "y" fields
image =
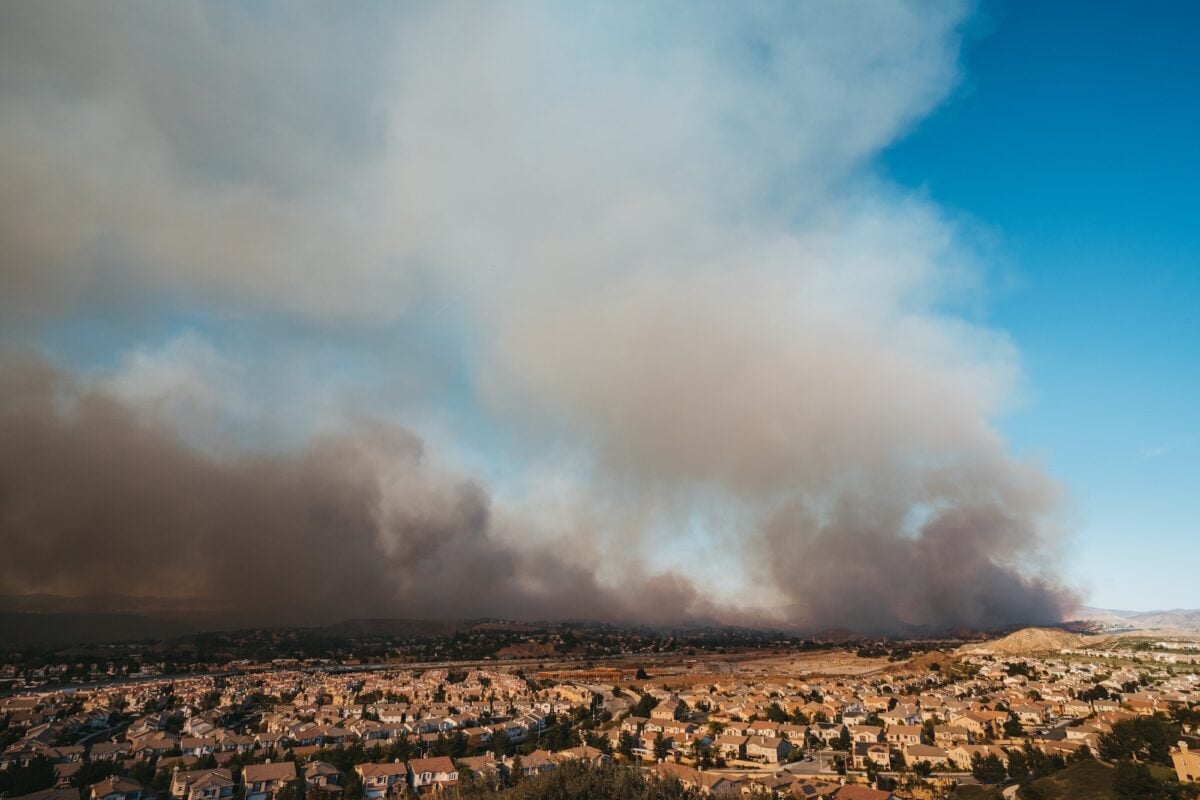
{"x": 681, "y": 672}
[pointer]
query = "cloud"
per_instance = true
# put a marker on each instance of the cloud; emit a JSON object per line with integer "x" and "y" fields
{"x": 655, "y": 232}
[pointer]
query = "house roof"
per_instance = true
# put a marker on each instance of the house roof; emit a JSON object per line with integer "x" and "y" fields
{"x": 381, "y": 770}
{"x": 116, "y": 785}
{"x": 853, "y": 791}
{"x": 271, "y": 771}
{"x": 432, "y": 764}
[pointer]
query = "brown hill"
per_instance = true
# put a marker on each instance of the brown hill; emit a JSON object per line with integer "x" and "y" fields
{"x": 1026, "y": 641}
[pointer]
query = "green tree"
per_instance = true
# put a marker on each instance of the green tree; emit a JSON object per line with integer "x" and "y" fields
{"x": 1135, "y": 782}
{"x": 661, "y": 749}
{"x": 1018, "y": 765}
{"x": 625, "y": 744}
{"x": 352, "y": 785}
{"x": 516, "y": 772}
{"x": 644, "y": 706}
{"x": 91, "y": 772}
{"x": 1140, "y": 739}
{"x": 292, "y": 790}
{"x": 988, "y": 770}
{"x": 775, "y": 713}
{"x": 37, "y": 775}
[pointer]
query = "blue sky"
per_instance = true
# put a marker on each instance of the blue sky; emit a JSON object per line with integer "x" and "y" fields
{"x": 1073, "y": 141}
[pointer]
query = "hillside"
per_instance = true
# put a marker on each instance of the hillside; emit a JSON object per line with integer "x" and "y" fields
{"x": 1177, "y": 619}
{"x": 1025, "y": 642}
{"x": 1084, "y": 780}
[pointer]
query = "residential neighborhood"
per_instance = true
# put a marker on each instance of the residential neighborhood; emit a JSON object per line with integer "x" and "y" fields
{"x": 832, "y": 724}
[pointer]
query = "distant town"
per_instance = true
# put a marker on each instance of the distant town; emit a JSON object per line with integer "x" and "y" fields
{"x": 503, "y": 709}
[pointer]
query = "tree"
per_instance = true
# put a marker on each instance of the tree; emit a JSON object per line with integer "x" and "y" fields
{"x": 843, "y": 740}
{"x": 352, "y": 785}
{"x": 292, "y": 790}
{"x": 1018, "y": 765}
{"x": 1135, "y": 782}
{"x": 625, "y": 744}
{"x": 661, "y": 749}
{"x": 499, "y": 743}
{"x": 988, "y": 770}
{"x": 90, "y": 772}
{"x": 516, "y": 772}
{"x": 641, "y": 674}
{"x": 1019, "y": 668}
{"x": 37, "y": 775}
{"x": 1012, "y": 727}
{"x": 1140, "y": 739}
{"x": 644, "y": 706}
{"x": 1097, "y": 692}
{"x": 775, "y": 713}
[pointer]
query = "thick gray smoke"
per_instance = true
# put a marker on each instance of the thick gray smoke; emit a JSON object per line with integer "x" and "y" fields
{"x": 94, "y": 502}
{"x": 631, "y": 261}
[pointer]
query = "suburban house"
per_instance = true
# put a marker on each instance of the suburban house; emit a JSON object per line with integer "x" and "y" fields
{"x": 108, "y": 751}
{"x": 591, "y": 755}
{"x": 866, "y": 733}
{"x": 666, "y": 710}
{"x": 864, "y": 753}
{"x": 764, "y": 728}
{"x": 856, "y": 791}
{"x": 382, "y": 780}
{"x": 709, "y": 784}
{"x": 261, "y": 781}
{"x": 731, "y": 746}
{"x": 202, "y": 784}
{"x": 117, "y": 788}
{"x": 903, "y": 735}
{"x": 198, "y": 746}
{"x": 432, "y": 774}
{"x": 1187, "y": 763}
{"x": 924, "y": 753}
{"x": 947, "y": 735}
{"x": 963, "y": 754}
{"x": 322, "y": 775}
{"x": 770, "y": 750}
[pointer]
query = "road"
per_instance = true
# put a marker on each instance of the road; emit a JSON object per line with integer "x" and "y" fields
{"x": 822, "y": 764}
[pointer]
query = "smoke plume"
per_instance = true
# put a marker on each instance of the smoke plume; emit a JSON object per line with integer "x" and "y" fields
{"x": 677, "y": 349}
{"x": 94, "y": 501}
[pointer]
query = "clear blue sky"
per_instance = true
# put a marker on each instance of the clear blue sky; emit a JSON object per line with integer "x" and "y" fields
{"x": 1075, "y": 141}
